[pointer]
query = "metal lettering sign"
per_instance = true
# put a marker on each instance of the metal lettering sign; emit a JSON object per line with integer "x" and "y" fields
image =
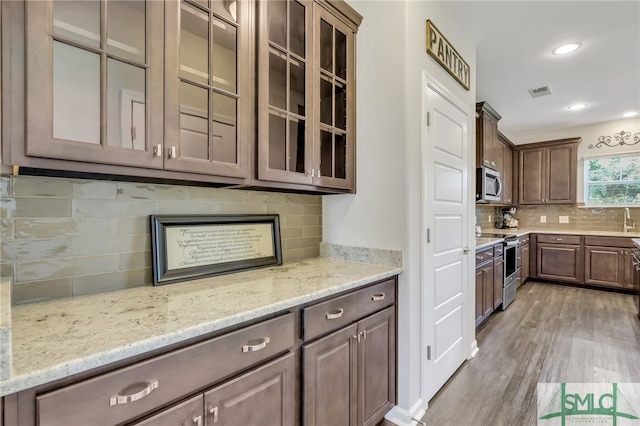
{"x": 438, "y": 48}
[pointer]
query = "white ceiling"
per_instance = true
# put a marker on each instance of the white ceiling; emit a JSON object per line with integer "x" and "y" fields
{"x": 514, "y": 43}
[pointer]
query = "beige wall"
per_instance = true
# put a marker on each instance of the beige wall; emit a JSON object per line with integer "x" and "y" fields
{"x": 66, "y": 237}
{"x": 580, "y": 218}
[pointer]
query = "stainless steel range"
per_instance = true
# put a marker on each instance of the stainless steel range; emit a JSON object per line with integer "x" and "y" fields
{"x": 510, "y": 272}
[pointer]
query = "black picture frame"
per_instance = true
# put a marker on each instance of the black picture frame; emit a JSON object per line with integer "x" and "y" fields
{"x": 188, "y": 247}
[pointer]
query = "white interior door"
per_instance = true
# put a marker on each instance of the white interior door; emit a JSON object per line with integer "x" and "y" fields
{"x": 445, "y": 233}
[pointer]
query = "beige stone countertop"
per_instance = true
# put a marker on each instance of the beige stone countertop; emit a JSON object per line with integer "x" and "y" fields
{"x": 524, "y": 231}
{"x": 482, "y": 242}
{"x": 55, "y": 339}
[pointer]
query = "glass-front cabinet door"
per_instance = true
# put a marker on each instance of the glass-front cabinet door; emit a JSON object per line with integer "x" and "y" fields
{"x": 94, "y": 85}
{"x": 285, "y": 90}
{"x": 208, "y": 86}
{"x": 334, "y": 90}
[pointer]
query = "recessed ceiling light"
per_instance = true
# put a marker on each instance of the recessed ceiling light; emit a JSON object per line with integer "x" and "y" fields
{"x": 566, "y": 48}
{"x": 630, "y": 114}
{"x": 576, "y": 107}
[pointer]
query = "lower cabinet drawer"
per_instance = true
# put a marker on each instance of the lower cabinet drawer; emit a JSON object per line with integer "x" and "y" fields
{"x": 559, "y": 239}
{"x": 622, "y": 242}
{"x": 124, "y": 394}
{"x": 335, "y": 313}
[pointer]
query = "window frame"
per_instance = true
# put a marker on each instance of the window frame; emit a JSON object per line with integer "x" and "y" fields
{"x": 587, "y": 182}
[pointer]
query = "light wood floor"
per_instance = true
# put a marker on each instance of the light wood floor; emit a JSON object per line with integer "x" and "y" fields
{"x": 550, "y": 334}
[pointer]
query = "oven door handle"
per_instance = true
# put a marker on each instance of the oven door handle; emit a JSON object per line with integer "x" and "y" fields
{"x": 511, "y": 243}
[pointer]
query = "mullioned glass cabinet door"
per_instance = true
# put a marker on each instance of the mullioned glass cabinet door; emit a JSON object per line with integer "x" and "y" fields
{"x": 334, "y": 90}
{"x": 285, "y": 91}
{"x": 94, "y": 82}
{"x": 208, "y": 117}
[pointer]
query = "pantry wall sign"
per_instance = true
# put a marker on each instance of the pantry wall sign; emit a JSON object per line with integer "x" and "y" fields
{"x": 438, "y": 48}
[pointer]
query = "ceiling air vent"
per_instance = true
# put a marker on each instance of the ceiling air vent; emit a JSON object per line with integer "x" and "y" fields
{"x": 540, "y": 91}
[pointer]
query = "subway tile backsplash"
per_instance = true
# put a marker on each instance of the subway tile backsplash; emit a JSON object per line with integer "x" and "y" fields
{"x": 580, "y": 218}
{"x": 68, "y": 237}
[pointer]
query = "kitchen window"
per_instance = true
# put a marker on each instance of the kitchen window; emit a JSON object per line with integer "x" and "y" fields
{"x": 612, "y": 180}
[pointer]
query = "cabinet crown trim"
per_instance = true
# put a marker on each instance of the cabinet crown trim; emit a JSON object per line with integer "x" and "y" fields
{"x": 484, "y": 107}
{"x": 553, "y": 142}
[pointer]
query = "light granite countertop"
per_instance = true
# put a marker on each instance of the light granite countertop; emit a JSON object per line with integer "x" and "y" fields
{"x": 55, "y": 339}
{"x": 636, "y": 241}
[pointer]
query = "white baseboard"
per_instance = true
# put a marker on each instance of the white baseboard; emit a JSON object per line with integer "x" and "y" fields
{"x": 474, "y": 349}
{"x": 401, "y": 417}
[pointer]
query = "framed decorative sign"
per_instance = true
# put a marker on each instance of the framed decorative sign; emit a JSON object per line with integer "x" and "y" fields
{"x": 194, "y": 246}
{"x": 438, "y": 48}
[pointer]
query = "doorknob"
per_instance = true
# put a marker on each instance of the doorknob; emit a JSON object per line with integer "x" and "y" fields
{"x": 466, "y": 250}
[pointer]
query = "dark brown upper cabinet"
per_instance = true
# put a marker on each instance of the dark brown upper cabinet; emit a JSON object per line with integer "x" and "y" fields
{"x": 547, "y": 172}
{"x": 94, "y": 81}
{"x": 507, "y": 174}
{"x": 249, "y": 93}
{"x": 488, "y": 147}
{"x": 306, "y": 99}
{"x": 208, "y": 120}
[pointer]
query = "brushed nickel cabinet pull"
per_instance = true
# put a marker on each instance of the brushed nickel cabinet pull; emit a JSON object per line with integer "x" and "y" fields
{"x": 125, "y": 399}
{"x": 172, "y": 152}
{"x": 558, "y": 239}
{"x": 197, "y": 420}
{"x": 214, "y": 412}
{"x": 378, "y": 296}
{"x": 254, "y": 346}
{"x": 157, "y": 151}
{"x": 335, "y": 314}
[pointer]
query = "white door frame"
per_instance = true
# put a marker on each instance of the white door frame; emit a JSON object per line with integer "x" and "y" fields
{"x": 469, "y": 313}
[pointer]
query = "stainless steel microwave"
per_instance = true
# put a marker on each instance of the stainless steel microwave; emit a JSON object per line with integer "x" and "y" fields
{"x": 488, "y": 185}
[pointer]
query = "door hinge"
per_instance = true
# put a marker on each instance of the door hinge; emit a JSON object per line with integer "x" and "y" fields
{"x": 428, "y": 235}
{"x": 429, "y": 353}
{"x": 133, "y": 133}
{"x": 428, "y": 119}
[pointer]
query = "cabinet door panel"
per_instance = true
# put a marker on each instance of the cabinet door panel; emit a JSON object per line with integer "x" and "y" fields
{"x": 498, "y": 281}
{"x": 187, "y": 413}
{"x": 560, "y": 262}
{"x": 525, "y": 262}
{"x": 487, "y": 291}
{"x": 285, "y": 91}
{"x": 603, "y": 266}
{"x": 330, "y": 379}
{"x": 207, "y": 87}
{"x": 262, "y": 397}
{"x": 531, "y": 182}
{"x": 479, "y": 294}
{"x": 561, "y": 186}
{"x": 376, "y": 367}
{"x": 334, "y": 86}
{"x": 94, "y": 88}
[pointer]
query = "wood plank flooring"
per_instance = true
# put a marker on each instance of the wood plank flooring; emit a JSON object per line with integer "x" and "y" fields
{"x": 550, "y": 334}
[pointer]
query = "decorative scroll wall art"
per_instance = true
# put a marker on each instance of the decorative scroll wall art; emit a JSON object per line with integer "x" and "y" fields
{"x": 619, "y": 139}
{"x": 194, "y": 246}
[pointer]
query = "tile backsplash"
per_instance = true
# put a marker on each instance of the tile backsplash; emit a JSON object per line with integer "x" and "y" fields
{"x": 68, "y": 237}
{"x": 579, "y": 218}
